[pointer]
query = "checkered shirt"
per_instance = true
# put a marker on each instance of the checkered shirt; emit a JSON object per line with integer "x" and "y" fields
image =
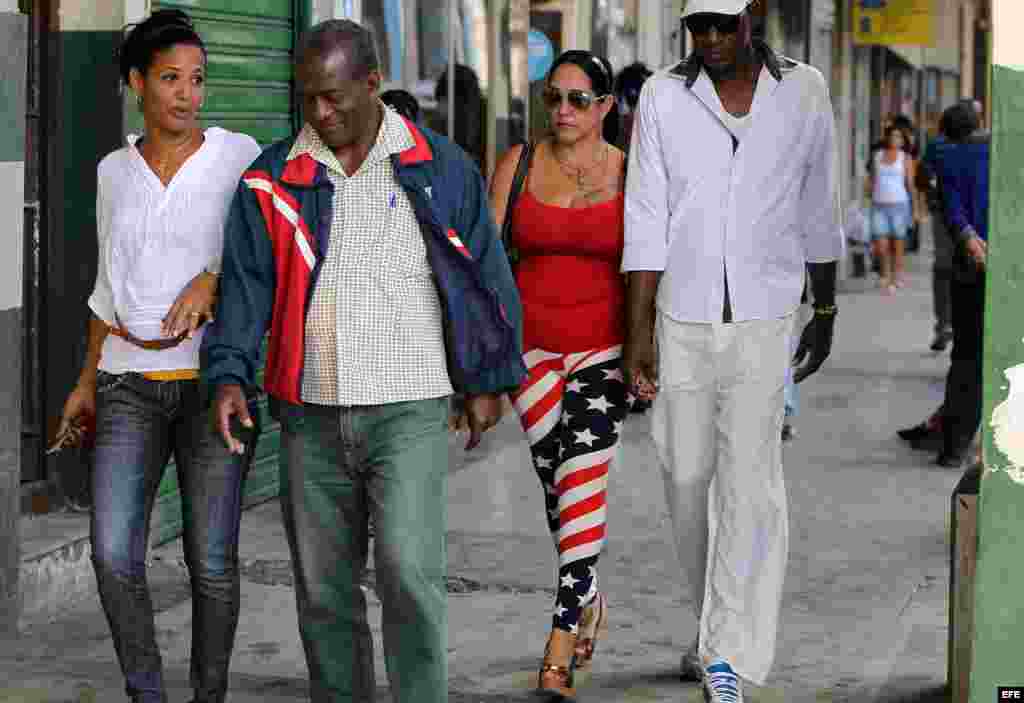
{"x": 374, "y": 329}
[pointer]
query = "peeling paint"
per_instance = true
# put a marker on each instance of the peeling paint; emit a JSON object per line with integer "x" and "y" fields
{"x": 1008, "y": 425}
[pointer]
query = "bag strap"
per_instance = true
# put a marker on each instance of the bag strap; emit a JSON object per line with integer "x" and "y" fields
{"x": 522, "y": 168}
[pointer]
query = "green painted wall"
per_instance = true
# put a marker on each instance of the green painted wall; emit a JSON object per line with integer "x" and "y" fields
{"x": 250, "y": 63}
{"x": 83, "y": 124}
{"x": 999, "y": 605}
{"x": 12, "y": 90}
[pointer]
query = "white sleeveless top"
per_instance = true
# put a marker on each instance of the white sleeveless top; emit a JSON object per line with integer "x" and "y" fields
{"x": 153, "y": 240}
{"x": 890, "y": 181}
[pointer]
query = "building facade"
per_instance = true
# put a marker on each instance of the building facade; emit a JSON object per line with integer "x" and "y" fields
{"x": 13, "y": 105}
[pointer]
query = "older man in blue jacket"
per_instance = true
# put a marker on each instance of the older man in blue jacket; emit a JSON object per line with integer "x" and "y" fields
{"x": 367, "y": 247}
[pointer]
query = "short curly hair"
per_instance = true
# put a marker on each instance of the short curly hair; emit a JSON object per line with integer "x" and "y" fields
{"x": 331, "y": 34}
{"x": 959, "y": 121}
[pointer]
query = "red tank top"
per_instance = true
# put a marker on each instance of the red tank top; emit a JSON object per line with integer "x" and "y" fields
{"x": 573, "y": 295}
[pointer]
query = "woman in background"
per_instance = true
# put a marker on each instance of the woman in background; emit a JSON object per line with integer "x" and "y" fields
{"x": 890, "y": 185}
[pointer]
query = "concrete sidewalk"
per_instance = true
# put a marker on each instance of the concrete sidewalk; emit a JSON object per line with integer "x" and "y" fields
{"x": 864, "y": 613}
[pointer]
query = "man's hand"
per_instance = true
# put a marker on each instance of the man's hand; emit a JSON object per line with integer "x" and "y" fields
{"x": 815, "y": 343}
{"x": 482, "y": 413}
{"x": 639, "y": 366}
{"x": 977, "y": 249}
{"x": 230, "y": 400}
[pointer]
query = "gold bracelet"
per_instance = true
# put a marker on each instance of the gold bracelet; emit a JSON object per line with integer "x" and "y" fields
{"x": 826, "y": 310}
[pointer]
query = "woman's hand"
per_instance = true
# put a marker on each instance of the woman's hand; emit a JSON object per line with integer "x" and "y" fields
{"x": 79, "y": 410}
{"x": 191, "y": 306}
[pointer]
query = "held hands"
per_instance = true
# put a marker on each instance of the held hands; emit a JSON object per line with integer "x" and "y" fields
{"x": 230, "y": 400}
{"x": 191, "y": 307}
{"x": 815, "y": 344}
{"x": 639, "y": 368}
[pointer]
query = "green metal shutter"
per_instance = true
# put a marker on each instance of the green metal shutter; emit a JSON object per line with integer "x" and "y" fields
{"x": 249, "y": 89}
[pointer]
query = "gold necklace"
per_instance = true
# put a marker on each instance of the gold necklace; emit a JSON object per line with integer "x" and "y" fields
{"x": 168, "y": 166}
{"x": 579, "y": 174}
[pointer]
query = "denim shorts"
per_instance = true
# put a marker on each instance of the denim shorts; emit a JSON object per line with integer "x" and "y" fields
{"x": 892, "y": 221}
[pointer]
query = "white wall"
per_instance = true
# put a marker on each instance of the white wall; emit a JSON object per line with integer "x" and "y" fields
{"x": 12, "y": 204}
{"x": 1007, "y": 19}
{"x": 650, "y": 41}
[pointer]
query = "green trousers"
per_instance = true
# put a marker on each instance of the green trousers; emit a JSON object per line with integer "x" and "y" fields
{"x": 343, "y": 466}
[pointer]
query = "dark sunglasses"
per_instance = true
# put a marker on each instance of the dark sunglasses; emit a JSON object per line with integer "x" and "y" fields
{"x": 579, "y": 99}
{"x": 703, "y": 23}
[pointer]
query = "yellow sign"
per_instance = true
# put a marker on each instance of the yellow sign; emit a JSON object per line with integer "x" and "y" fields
{"x": 906, "y": 22}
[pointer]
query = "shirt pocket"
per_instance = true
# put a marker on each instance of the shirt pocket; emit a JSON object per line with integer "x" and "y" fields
{"x": 403, "y": 260}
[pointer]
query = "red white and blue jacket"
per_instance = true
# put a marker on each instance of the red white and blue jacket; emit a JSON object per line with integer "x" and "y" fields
{"x": 276, "y": 239}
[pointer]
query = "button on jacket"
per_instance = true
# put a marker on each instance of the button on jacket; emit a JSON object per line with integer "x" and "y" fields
{"x": 703, "y": 204}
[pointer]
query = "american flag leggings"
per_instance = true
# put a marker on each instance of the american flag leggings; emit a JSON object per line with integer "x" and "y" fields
{"x": 572, "y": 407}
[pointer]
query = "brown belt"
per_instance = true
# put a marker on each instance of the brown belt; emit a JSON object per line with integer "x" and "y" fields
{"x": 149, "y": 344}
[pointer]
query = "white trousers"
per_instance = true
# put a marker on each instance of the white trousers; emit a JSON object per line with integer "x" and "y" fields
{"x": 716, "y": 424}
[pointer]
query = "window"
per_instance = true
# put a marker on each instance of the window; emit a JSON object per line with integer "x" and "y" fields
{"x": 615, "y": 31}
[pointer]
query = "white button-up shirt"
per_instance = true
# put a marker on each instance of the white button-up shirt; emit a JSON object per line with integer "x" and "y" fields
{"x": 700, "y": 211}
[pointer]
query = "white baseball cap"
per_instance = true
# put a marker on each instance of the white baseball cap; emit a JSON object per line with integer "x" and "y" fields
{"x": 718, "y": 7}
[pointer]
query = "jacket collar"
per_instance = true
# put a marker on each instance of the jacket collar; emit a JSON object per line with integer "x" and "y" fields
{"x": 778, "y": 65}
{"x": 420, "y": 152}
{"x": 302, "y": 168}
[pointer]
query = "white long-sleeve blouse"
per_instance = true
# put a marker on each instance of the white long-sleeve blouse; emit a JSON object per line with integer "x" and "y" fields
{"x": 154, "y": 239}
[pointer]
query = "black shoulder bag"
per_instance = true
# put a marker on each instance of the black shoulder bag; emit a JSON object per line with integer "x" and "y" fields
{"x": 522, "y": 168}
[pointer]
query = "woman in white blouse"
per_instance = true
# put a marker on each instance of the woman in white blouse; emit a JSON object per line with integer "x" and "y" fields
{"x": 162, "y": 201}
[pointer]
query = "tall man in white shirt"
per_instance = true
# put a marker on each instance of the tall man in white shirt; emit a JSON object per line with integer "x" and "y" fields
{"x": 731, "y": 197}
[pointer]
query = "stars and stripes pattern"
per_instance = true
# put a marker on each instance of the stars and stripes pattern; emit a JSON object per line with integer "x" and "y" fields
{"x": 572, "y": 407}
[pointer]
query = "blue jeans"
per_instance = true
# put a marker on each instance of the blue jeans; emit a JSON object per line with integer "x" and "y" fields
{"x": 340, "y": 468}
{"x": 140, "y": 424}
{"x": 891, "y": 221}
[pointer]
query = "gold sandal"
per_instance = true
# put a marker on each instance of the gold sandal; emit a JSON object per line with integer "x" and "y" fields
{"x": 593, "y": 626}
{"x": 556, "y": 681}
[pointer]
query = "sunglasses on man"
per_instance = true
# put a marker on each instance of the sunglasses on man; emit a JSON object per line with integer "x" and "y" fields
{"x": 578, "y": 99}
{"x": 703, "y": 23}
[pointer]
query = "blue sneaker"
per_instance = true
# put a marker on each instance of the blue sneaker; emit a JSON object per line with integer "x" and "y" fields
{"x": 721, "y": 684}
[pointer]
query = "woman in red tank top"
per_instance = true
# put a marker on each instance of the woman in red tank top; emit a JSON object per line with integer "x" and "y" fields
{"x": 567, "y": 230}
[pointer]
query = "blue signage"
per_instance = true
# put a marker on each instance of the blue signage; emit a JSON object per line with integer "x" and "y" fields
{"x": 540, "y": 54}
